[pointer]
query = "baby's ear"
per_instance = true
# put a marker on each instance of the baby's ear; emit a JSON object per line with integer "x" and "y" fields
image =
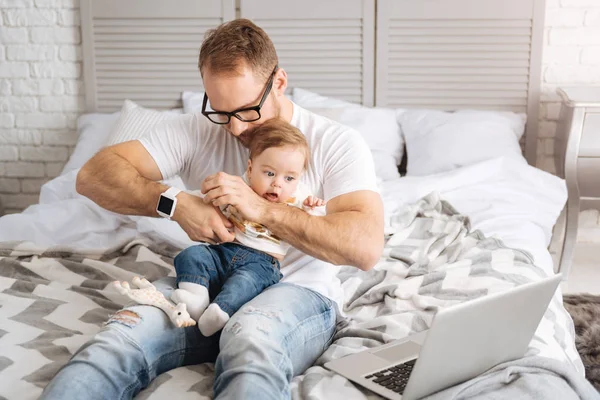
{"x": 249, "y": 166}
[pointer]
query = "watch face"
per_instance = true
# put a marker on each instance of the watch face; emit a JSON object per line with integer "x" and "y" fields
{"x": 165, "y": 205}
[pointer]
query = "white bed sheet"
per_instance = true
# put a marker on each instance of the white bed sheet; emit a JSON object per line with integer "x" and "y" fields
{"x": 503, "y": 198}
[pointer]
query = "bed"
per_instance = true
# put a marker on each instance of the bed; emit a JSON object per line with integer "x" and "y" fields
{"x": 468, "y": 217}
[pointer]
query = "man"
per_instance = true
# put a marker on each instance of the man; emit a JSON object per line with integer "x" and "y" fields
{"x": 283, "y": 330}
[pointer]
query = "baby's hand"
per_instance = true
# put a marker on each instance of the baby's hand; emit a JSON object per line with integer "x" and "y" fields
{"x": 313, "y": 202}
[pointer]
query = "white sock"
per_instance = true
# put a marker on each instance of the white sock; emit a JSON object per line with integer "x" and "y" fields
{"x": 194, "y": 296}
{"x": 213, "y": 320}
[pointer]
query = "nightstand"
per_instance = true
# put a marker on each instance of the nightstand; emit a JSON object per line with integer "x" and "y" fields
{"x": 577, "y": 157}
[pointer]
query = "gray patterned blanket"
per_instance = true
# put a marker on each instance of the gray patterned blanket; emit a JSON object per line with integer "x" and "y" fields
{"x": 52, "y": 300}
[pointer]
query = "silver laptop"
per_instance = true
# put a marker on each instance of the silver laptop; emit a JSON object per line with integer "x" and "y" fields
{"x": 464, "y": 341}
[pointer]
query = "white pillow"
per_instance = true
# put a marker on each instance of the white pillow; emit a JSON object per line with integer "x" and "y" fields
{"x": 192, "y": 101}
{"x": 92, "y": 133}
{"x": 378, "y": 126}
{"x": 307, "y": 99}
{"x": 135, "y": 121}
{"x": 438, "y": 141}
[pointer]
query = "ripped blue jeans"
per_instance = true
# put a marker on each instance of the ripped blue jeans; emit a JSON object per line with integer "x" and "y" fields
{"x": 275, "y": 336}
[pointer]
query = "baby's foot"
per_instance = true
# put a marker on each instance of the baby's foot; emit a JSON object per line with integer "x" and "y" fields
{"x": 213, "y": 320}
{"x": 196, "y": 303}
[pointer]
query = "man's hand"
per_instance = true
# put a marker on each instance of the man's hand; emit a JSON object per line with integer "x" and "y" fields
{"x": 202, "y": 222}
{"x": 312, "y": 202}
{"x": 223, "y": 189}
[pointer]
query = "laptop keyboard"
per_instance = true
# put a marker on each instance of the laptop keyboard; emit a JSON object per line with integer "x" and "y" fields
{"x": 394, "y": 378}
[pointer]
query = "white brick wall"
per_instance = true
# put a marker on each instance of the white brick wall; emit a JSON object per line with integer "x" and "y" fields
{"x": 41, "y": 91}
{"x": 40, "y": 94}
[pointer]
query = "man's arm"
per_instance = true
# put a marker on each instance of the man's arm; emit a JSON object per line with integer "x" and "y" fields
{"x": 350, "y": 234}
{"x": 122, "y": 179}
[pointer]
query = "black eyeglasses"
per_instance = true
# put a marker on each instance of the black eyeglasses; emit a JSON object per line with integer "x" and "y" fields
{"x": 248, "y": 114}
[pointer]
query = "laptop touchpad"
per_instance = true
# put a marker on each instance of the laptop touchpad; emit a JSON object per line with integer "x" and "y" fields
{"x": 399, "y": 352}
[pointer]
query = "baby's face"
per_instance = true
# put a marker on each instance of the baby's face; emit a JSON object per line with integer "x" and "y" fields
{"x": 274, "y": 173}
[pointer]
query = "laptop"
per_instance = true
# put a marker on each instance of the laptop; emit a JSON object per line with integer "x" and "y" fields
{"x": 463, "y": 341}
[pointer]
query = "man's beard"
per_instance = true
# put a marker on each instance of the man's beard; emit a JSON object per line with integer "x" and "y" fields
{"x": 246, "y": 136}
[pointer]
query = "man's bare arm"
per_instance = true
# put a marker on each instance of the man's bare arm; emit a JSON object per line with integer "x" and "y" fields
{"x": 350, "y": 234}
{"x": 122, "y": 179}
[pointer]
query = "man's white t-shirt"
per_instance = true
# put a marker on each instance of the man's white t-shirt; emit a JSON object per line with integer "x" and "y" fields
{"x": 194, "y": 148}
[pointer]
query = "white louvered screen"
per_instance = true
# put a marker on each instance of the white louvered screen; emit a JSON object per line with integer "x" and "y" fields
{"x": 145, "y": 50}
{"x": 457, "y": 54}
{"x": 324, "y": 46}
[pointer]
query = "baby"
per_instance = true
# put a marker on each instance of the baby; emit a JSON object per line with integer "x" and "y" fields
{"x": 233, "y": 273}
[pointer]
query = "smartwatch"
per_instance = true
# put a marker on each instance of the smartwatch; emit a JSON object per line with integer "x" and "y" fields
{"x": 167, "y": 202}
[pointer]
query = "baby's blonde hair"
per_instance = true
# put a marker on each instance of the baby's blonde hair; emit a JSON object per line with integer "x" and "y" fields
{"x": 277, "y": 133}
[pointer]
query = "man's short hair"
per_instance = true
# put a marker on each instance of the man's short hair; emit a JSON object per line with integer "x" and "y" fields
{"x": 276, "y": 132}
{"x": 231, "y": 45}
